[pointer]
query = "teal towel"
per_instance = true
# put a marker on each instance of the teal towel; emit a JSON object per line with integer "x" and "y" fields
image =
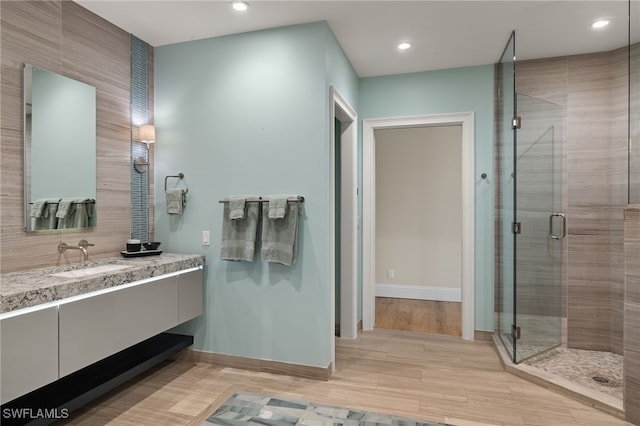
{"x": 280, "y": 236}
{"x": 239, "y": 235}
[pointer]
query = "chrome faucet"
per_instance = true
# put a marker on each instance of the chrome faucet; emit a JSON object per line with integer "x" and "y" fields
{"x": 82, "y": 246}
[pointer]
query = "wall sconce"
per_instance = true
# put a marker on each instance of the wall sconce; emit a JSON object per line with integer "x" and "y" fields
{"x": 147, "y": 136}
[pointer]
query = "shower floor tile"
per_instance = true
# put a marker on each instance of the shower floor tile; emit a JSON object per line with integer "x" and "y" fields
{"x": 599, "y": 371}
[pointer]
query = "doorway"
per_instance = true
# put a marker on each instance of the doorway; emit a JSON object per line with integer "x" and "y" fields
{"x": 418, "y": 233}
{"x": 466, "y": 121}
{"x": 343, "y": 228}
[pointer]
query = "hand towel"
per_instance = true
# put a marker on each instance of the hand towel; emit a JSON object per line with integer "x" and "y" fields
{"x": 239, "y": 235}
{"x": 278, "y": 205}
{"x": 40, "y": 207}
{"x": 236, "y": 207}
{"x": 80, "y": 213}
{"x": 176, "y": 200}
{"x": 44, "y": 215}
{"x": 52, "y": 221}
{"x": 64, "y": 207}
{"x": 280, "y": 236}
{"x": 64, "y": 213}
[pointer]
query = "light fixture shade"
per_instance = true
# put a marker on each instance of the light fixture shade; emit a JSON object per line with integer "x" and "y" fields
{"x": 148, "y": 133}
{"x": 600, "y": 23}
{"x": 240, "y": 5}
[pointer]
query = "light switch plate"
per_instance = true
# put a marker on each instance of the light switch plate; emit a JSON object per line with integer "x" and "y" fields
{"x": 206, "y": 238}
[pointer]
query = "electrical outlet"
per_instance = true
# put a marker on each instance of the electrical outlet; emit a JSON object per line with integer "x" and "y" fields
{"x": 391, "y": 274}
{"x": 206, "y": 238}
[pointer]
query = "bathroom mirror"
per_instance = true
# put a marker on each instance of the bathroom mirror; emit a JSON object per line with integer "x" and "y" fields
{"x": 59, "y": 151}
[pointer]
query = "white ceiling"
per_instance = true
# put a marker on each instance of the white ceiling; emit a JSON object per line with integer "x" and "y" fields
{"x": 445, "y": 34}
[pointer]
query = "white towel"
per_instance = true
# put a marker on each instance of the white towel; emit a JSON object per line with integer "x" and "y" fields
{"x": 176, "y": 200}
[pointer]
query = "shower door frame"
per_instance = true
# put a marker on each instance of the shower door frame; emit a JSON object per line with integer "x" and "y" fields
{"x": 506, "y": 190}
{"x": 513, "y": 269}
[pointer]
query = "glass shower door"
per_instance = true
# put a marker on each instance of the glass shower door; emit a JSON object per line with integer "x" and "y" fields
{"x": 541, "y": 225}
{"x": 505, "y": 203}
{"x": 530, "y": 227}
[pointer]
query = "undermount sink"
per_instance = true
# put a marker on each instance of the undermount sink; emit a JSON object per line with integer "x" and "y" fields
{"x": 77, "y": 273}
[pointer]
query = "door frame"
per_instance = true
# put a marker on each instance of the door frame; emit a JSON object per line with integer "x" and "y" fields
{"x": 341, "y": 110}
{"x": 467, "y": 121}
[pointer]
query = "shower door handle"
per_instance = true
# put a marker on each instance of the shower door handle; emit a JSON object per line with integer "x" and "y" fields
{"x": 564, "y": 226}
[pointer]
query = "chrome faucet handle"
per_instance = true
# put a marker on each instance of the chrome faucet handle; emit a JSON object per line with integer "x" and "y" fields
{"x": 85, "y": 244}
{"x": 62, "y": 247}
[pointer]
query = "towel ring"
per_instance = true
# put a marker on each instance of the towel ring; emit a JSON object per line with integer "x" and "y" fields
{"x": 178, "y": 176}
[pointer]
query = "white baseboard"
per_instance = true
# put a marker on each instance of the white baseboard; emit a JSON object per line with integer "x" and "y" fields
{"x": 403, "y": 291}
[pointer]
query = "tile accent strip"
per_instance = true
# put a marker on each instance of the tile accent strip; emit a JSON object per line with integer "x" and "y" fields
{"x": 139, "y": 116}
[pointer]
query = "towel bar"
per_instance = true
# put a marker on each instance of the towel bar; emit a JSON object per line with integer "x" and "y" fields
{"x": 178, "y": 176}
{"x": 73, "y": 202}
{"x": 299, "y": 199}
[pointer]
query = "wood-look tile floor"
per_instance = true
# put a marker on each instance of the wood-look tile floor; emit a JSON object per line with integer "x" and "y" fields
{"x": 422, "y": 376}
{"x": 423, "y": 316}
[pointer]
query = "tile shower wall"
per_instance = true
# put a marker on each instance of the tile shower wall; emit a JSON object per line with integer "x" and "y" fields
{"x": 632, "y": 314}
{"x": 592, "y": 92}
{"x": 66, "y": 38}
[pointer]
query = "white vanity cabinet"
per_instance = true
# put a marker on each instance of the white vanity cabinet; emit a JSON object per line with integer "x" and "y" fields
{"x": 29, "y": 358}
{"x": 44, "y": 343}
{"x": 96, "y": 327}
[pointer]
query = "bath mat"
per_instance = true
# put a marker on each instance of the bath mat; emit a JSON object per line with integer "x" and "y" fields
{"x": 245, "y": 408}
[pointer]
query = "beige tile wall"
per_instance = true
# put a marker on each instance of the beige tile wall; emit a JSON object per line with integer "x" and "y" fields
{"x": 592, "y": 89}
{"x": 632, "y": 314}
{"x": 66, "y": 38}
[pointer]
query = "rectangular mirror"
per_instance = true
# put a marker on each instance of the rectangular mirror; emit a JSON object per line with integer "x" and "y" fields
{"x": 59, "y": 151}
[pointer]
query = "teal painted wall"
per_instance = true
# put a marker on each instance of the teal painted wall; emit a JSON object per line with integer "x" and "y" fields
{"x": 248, "y": 114}
{"x": 437, "y": 92}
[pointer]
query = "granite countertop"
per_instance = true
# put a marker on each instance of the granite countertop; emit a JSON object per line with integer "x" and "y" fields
{"x": 35, "y": 286}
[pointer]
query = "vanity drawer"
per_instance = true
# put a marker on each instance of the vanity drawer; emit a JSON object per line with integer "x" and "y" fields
{"x": 96, "y": 327}
{"x": 29, "y": 344}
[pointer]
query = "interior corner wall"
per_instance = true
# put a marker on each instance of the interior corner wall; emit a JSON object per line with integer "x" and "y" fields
{"x": 247, "y": 114}
{"x": 448, "y": 91}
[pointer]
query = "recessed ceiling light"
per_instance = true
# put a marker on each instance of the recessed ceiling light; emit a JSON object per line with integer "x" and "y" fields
{"x": 600, "y": 23}
{"x": 404, "y": 45}
{"x": 240, "y": 5}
